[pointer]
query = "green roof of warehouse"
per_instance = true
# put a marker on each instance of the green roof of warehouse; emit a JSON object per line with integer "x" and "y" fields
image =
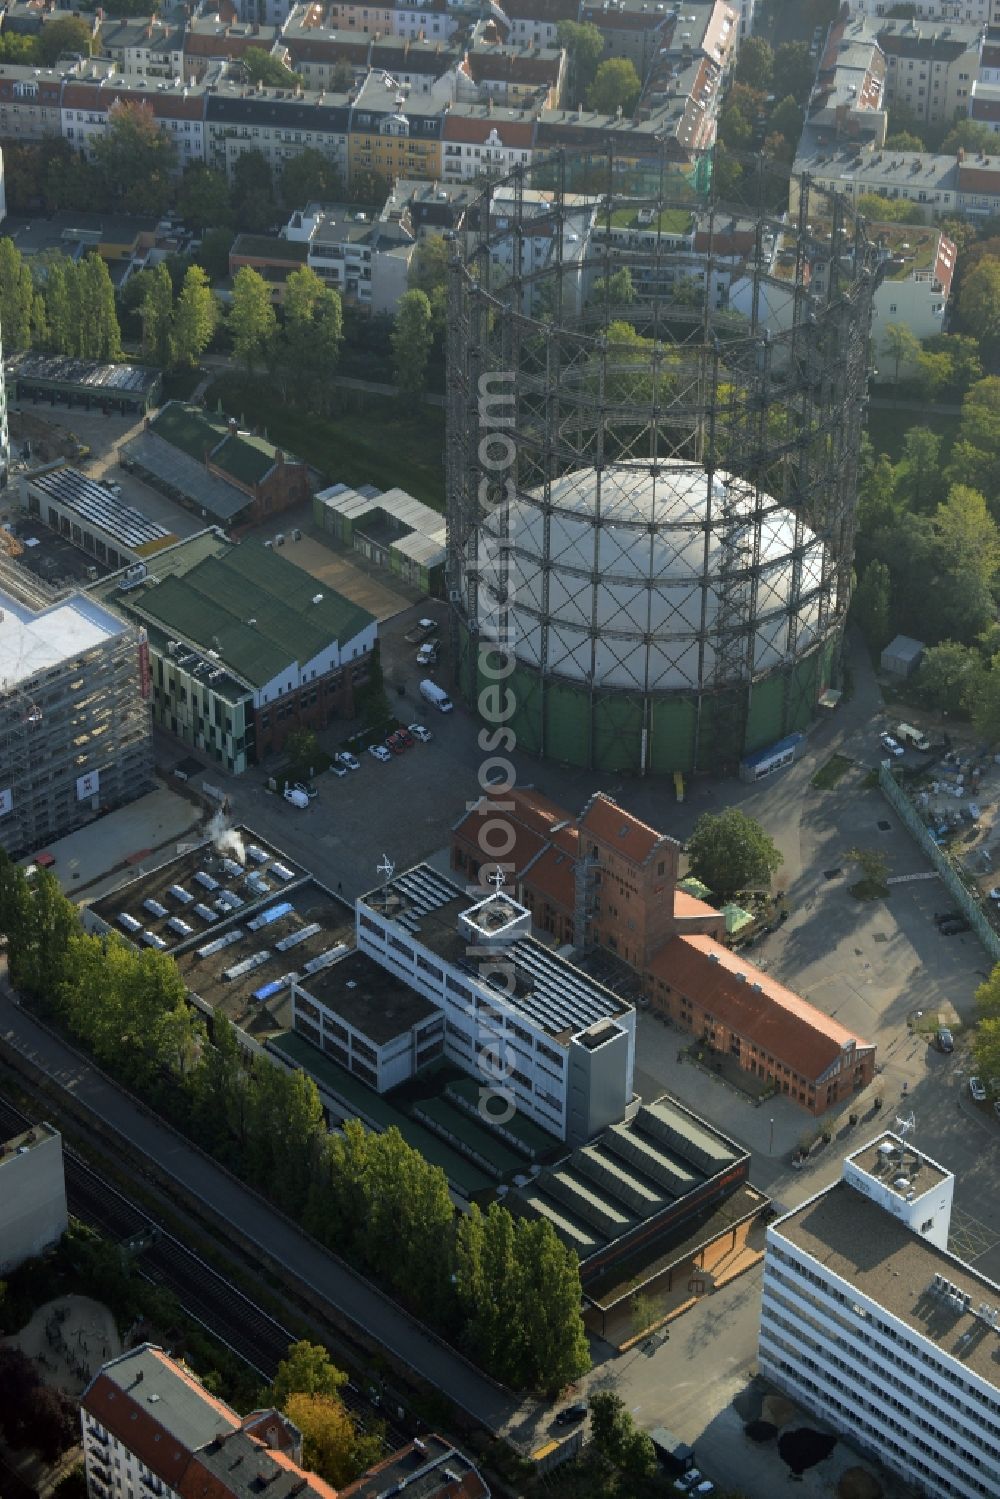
{"x": 216, "y": 599}
{"x": 247, "y": 457}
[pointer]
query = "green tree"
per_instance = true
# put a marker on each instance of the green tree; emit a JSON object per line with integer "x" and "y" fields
{"x": 203, "y": 198}
{"x": 969, "y": 135}
{"x": 306, "y": 1370}
{"x": 553, "y": 1340}
{"x": 900, "y": 346}
{"x": 979, "y": 302}
{"x": 962, "y": 350}
{"x": 975, "y": 456}
{"x": 982, "y": 700}
{"x": 948, "y": 676}
{"x": 136, "y": 160}
{"x": 872, "y": 606}
{"x": 873, "y": 866}
{"x": 67, "y": 35}
{"x": 303, "y": 751}
{"x": 795, "y": 70}
{"x": 616, "y": 86}
{"x": 310, "y": 177}
{"x": 332, "y": 1444}
{"x": 412, "y": 340}
{"x": 57, "y": 308}
{"x": 786, "y": 119}
{"x": 342, "y": 76}
{"x": 988, "y": 996}
{"x": 309, "y": 347}
{"x": 262, "y": 67}
{"x": 17, "y": 298}
{"x": 919, "y": 480}
{"x": 755, "y": 63}
{"x": 889, "y": 210}
{"x": 195, "y": 318}
{"x": 100, "y": 333}
{"x": 584, "y": 46}
{"x": 253, "y": 200}
{"x": 23, "y": 51}
{"x": 251, "y": 321}
{"x": 616, "y": 290}
{"x": 968, "y": 553}
{"x": 729, "y": 852}
{"x": 617, "y": 1439}
{"x": 213, "y": 257}
{"x": 429, "y": 265}
{"x": 986, "y": 1050}
{"x": 904, "y": 140}
{"x": 156, "y": 313}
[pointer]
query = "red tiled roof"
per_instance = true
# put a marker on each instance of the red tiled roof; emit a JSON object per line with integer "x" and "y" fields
{"x": 511, "y": 66}
{"x": 475, "y": 129}
{"x": 218, "y": 44}
{"x": 553, "y": 875}
{"x": 755, "y": 1006}
{"x": 618, "y": 828}
{"x": 980, "y": 179}
{"x": 686, "y": 906}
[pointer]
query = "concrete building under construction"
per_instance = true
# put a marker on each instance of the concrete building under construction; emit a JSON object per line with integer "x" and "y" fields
{"x": 75, "y": 724}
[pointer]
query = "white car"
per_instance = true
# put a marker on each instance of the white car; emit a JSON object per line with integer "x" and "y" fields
{"x": 427, "y": 655}
{"x": 977, "y": 1090}
{"x": 344, "y": 757}
{"x": 379, "y": 752}
{"x": 336, "y": 769}
{"x": 307, "y": 791}
{"x": 296, "y": 797}
{"x": 890, "y": 745}
{"x": 419, "y": 732}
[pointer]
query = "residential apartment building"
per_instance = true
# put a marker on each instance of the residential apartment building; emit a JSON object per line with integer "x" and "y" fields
{"x": 432, "y": 19}
{"x": 322, "y": 55}
{"x": 33, "y": 1212}
{"x": 30, "y": 103}
{"x": 930, "y": 70}
{"x": 606, "y": 880}
{"x": 74, "y": 716}
{"x": 363, "y": 256}
{"x": 566, "y": 1044}
{"x": 209, "y": 40}
{"x": 150, "y": 1427}
{"x": 242, "y": 648}
{"x": 144, "y": 48}
{"x": 868, "y": 1321}
{"x": 984, "y": 105}
{"x": 392, "y": 135}
{"x": 632, "y": 30}
{"x": 964, "y": 184}
{"x": 481, "y": 141}
{"x": 981, "y": 12}
{"x": 280, "y": 123}
{"x": 87, "y": 107}
{"x": 535, "y": 23}
{"x": 915, "y": 287}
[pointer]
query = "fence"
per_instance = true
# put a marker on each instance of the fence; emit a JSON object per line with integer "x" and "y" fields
{"x": 964, "y": 899}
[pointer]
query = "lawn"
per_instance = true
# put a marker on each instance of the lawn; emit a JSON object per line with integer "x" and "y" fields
{"x": 887, "y": 428}
{"x": 829, "y": 774}
{"x": 371, "y": 440}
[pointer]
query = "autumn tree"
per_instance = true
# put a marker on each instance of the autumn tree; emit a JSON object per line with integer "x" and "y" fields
{"x": 306, "y": 1369}
{"x": 332, "y": 1444}
{"x": 136, "y": 159}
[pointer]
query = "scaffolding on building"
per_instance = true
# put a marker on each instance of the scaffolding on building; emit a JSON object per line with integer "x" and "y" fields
{"x": 607, "y": 319}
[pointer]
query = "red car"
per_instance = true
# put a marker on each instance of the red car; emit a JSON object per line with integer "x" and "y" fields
{"x": 405, "y": 738}
{"x": 395, "y": 744}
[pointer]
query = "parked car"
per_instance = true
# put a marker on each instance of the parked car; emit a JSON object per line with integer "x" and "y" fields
{"x": 405, "y": 737}
{"x": 941, "y": 917}
{"x": 336, "y": 769}
{"x": 996, "y": 1108}
{"x": 890, "y": 745}
{"x": 296, "y": 797}
{"x": 344, "y": 757}
{"x": 952, "y": 928}
{"x": 308, "y": 790}
{"x": 379, "y": 752}
{"x": 419, "y": 732}
{"x": 571, "y": 1414}
{"x": 977, "y": 1090}
{"x": 945, "y": 1039}
{"x": 395, "y": 745}
{"x": 693, "y": 1482}
{"x": 427, "y": 654}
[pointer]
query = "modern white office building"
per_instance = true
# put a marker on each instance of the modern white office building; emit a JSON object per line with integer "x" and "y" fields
{"x": 546, "y": 1039}
{"x": 869, "y": 1321}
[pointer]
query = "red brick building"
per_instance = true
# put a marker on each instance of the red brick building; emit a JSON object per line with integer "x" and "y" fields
{"x": 612, "y": 879}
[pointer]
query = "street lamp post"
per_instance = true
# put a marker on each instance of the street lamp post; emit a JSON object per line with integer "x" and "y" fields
{"x": 770, "y": 1147}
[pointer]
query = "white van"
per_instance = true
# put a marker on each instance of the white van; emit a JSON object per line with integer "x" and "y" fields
{"x": 436, "y": 695}
{"x": 907, "y": 734}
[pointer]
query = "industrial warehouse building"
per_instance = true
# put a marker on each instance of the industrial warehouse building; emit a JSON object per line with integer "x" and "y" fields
{"x": 75, "y": 725}
{"x": 58, "y": 380}
{"x": 606, "y": 880}
{"x": 85, "y": 513}
{"x": 208, "y": 465}
{"x": 243, "y": 646}
{"x": 868, "y": 1321}
{"x": 391, "y": 529}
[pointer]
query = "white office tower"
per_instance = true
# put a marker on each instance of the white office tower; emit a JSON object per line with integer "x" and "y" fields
{"x": 870, "y": 1323}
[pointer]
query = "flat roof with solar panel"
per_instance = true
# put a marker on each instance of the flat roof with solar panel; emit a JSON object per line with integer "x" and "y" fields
{"x": 552, "y": 993}
{"x": 89, "y": 500}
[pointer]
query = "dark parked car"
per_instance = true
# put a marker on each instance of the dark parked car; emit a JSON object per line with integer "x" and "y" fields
{"x": 571, "y": 1414}
{"x": 942, "y": 916}
{"x": 945, "y": 1040}
{"x": 952, "y": 928}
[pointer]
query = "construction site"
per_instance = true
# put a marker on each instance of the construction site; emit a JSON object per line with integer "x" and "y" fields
{"x": 75, "y": 724}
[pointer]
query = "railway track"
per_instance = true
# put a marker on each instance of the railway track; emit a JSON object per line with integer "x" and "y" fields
{"x": 219, "y": 1306}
